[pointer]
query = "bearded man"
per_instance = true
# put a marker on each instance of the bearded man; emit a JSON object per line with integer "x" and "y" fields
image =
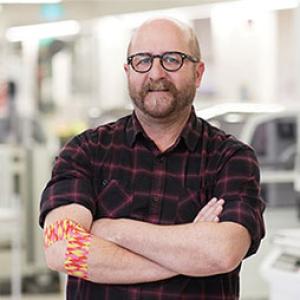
{"x": 159, "y": 204}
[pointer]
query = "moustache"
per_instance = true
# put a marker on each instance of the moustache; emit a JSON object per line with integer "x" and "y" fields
{"x": 159, "y": 85}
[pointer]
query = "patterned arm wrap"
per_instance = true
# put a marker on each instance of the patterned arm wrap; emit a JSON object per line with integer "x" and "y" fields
{"x": 78, "y": 245}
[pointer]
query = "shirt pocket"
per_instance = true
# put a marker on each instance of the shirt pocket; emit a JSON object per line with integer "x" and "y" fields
{"x": 188, "y": 206}
{"x": 113, "y": 200}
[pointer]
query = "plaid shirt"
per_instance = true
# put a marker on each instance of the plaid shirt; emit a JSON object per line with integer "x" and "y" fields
{"x": 116, "y": 171}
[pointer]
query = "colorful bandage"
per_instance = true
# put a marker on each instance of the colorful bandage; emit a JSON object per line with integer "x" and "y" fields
{"x": 78, "y": 245}
{"x": 60, "y": 230}
{"x": 77, "y": 254}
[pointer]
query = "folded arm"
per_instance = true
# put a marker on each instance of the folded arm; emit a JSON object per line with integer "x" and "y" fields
{"x": 107, "y": 262}
{"x": 194, "y": 249}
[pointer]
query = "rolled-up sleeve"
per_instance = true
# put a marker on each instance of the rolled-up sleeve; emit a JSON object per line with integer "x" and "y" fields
{"x": 71, "y": 180}
{"x": 238, "y": 183}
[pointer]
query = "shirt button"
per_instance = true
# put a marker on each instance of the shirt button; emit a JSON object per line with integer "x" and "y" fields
{"x": 155, "y": 199}
{"x": 160, "y": 159}
{"x": 104, "y": 182}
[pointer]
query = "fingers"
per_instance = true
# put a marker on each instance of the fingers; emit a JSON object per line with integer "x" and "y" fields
{"x": 205, "y": 210}
{"x": 211, "y": 211}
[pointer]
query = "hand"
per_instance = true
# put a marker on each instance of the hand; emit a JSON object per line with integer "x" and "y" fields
{"x": 211, "y": 211}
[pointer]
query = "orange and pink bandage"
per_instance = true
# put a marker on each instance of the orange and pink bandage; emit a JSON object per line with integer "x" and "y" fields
{"x": 78, "y": 245}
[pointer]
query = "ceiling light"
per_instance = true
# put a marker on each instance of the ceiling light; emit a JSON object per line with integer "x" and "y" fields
{"x": 28, "y": 1}
{"x": 42, "y": 31}
{"x": 270, "y": 4}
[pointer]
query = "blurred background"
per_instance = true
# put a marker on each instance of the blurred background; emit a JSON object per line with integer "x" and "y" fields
{"x": 61, "y": 71}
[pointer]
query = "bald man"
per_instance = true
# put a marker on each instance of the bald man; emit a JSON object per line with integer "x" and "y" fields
{"x": 159, "y": 204}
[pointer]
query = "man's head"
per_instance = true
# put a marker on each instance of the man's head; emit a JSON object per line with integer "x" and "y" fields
{"x": 165, "y": 74}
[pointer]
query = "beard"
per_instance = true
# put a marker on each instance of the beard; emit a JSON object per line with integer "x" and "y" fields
{"x": 161, "y": 98}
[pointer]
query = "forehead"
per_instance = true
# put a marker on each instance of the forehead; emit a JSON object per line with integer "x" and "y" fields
{"x": 158, "y": 37}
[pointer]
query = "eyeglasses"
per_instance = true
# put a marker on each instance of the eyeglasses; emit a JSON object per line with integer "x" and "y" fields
{"x": 171, "y": 61}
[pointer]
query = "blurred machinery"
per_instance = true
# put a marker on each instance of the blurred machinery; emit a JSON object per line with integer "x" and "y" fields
{"x": 281, "y": 267}
{"x": 272, "y": 131}
{"x": 25, "y": 161}
{"x": 274, "y": 137}
{"x": 10, "y": 211}
{"x": 30, "y": 169}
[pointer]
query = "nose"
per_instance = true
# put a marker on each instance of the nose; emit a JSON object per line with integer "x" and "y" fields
{"x": 157, "y": 71}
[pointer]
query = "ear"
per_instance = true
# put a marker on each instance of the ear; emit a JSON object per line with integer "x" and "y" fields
{"x": 200, "y": 67}
{"x": 126, "y": 68}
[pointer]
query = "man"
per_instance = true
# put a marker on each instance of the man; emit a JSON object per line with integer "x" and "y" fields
{"x": 158, "y": 205}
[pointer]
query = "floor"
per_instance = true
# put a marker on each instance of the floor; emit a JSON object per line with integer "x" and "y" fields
{"x": 37, "y": 297}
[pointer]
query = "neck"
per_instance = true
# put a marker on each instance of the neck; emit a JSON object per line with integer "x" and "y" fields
{"x": 163, "y": 132}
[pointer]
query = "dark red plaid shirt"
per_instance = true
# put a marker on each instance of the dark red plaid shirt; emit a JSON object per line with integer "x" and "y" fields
{"x": 116, "y": 171}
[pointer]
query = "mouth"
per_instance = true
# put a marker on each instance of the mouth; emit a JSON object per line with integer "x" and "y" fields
{"x": 157, "y": 90}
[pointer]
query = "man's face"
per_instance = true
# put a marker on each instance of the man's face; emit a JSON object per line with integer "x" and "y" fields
{"x": 159, "y": 93}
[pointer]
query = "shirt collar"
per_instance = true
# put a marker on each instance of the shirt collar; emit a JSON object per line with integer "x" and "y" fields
{"x": 190, "y": 134}
{"x": 133, "y": 129}
{"x": 192, "y": 131}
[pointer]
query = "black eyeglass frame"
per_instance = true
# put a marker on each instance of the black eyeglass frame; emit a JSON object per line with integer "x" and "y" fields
{"x": 160, "y": 56}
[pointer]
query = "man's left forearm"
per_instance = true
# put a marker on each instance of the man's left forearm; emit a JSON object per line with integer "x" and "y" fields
{"x": 195, "y": 249}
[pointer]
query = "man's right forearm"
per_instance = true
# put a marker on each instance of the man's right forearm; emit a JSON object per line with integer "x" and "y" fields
{"x": 107, "y": 262}
{"x": 111, "y": 264}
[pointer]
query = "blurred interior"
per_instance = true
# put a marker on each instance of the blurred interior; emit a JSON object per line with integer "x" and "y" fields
{"x": 61, "y": 71}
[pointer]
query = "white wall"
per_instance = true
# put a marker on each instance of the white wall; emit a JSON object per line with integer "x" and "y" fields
{"x": 113, "y": 38}
{"x": 287, "y": 69}
{"x": 296, "y": 27}
{"x": 244, "y": 44}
